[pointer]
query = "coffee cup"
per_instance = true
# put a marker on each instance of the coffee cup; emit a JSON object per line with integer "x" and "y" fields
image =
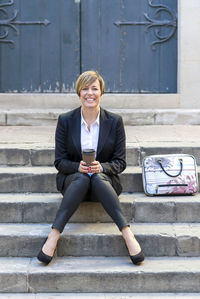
{"x": 88, "y": 156}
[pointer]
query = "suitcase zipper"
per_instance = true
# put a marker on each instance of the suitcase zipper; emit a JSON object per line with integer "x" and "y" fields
{"x": 172, "y": 185}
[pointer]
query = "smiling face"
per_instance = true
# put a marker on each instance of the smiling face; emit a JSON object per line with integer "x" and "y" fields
{"x": 90, "y": 95}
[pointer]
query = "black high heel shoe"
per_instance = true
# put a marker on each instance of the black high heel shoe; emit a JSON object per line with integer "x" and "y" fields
{"x": 44, "y": 258}
{"x": 138, "y": 258}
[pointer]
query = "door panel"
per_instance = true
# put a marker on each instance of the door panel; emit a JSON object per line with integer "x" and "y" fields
{"x": 45, "y": 58}
{"x": 89, "y": 34}
{"x": 124, "y": 54}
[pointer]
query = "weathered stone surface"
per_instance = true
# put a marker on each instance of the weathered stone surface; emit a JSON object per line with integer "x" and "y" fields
{"x": 2, "y": 118}
{"x": 42, "y": 208}
{"x": 19, "y": 136}
{"x": 97, "y": 273}
{"x": 133, "y": 154}
{"x": 37, "y": 156}
{"x": 14, "y": 156}
{"x": 141, "y": 141}
{"x": 188, "y": 241}
{"x": 138, "y": 117}
{"x": 45, "y": 156}
{"x": 96, "y": 239}
{"x": 71, "y": 274}
{"x": 131, "y": 179}
{"x": 19, "y": 296}
{"x": 45, "y": 211}
{"x": 70, "y": 101}
{"x": 11, "y": 211}
{"x": 137, "y": 207}
{"x": 148, "y": 215}
{"x": 27, "y": 179}
{"x": 166, "y": 208}
{"x": 188, "y": 211}
{"x": 184, "y": 135}
{"x": 42, "y": 157}
{"x": 177, "y": 117}
{"x": 102, "y": 296}
{"x": 32, "y": 117}
{"x": 40, "y": 211}
{"x": 158, "y": 149}
{"x": 43, "y": 179}
{"x": 13, "y": 275}
{"x": 154, "y": 210}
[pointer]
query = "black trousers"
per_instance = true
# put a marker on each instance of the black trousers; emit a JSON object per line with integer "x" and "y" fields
{"x": 77, "y": 187}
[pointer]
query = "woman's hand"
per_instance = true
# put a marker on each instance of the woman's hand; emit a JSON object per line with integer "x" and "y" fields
{"x": 95, "y": 167}
{"x": 83, "y": 168}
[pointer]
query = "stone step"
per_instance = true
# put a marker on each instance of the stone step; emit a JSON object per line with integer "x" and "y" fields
{"x": 136, "y": 117}
{"x": 26, "y": 155}
{"x": 137, "y": 208}
{"x": 43, "y": 155}
{"x": 43, "y": 179}
{"x": 101, "y": 296}
{"x": 70, "y": 101}
{"x": 100, "y": 274}
{"x": 34, "y": 145}
{"x": 42, "y": 208}
{"x": 183, "y": 135}
{"x": 88, "y": 239}
{"x": 27, "y": 179}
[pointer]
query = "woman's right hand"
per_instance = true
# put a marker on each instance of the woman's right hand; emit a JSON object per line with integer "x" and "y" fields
{"x": 83, "y": 168}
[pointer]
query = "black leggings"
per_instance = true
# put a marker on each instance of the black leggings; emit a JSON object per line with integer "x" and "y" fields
{"x": 77, "y": 186}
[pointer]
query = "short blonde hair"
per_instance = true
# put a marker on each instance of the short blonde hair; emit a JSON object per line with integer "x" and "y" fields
{"x": 87, "y": 78}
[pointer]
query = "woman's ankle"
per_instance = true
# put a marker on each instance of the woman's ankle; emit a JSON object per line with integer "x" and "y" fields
{"x": 51, "y": 242}
{"x": 131, "y": 242}
{"x": 127, "y": 233}
{"x": 54, "y": 235}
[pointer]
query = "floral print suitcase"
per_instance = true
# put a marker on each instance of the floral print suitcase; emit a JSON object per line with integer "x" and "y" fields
{"x": 169, "y": 174}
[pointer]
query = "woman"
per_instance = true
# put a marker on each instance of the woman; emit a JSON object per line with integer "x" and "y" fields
{"x": 89, "y": 126}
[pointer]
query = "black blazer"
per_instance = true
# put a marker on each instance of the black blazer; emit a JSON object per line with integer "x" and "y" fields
{"x": 110, "y": 149}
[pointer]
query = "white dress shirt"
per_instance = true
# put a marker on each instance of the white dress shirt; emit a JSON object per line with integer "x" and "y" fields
{"x": 89, "y": 138}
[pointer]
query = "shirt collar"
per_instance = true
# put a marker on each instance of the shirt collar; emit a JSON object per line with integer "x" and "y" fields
{"x": 95, "y": 122}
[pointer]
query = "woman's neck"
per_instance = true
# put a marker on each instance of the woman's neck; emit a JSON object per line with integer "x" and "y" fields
{"x": 90, "y": 115}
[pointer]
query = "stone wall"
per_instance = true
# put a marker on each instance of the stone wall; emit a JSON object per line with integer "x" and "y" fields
{"x": 189, "y": 53}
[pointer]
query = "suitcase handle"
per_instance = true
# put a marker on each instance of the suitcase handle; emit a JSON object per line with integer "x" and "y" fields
{"x": 173, "y": 176}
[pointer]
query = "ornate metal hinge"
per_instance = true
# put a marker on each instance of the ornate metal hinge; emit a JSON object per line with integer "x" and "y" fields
{"x": 150, "y": 22}
{"x": 12, "y": 22}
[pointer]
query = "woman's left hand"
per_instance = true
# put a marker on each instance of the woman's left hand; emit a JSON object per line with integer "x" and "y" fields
{"x": 95, "y": 167}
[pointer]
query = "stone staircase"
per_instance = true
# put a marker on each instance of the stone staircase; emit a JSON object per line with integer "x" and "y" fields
{"x": 91, "y": 259}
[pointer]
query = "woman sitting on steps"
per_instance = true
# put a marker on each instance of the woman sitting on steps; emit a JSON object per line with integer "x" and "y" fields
{"x": 90, "y": 126}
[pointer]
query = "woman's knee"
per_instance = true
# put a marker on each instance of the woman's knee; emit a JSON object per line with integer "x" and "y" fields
{"x": 100, "y": 176}
{"x": 79, "y": 178}
{"x": 99, "y": 179}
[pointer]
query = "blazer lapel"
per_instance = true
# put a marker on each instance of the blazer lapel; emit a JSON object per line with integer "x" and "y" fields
{"x": 105, "y": 127}
{"x": 75, "y": 129}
